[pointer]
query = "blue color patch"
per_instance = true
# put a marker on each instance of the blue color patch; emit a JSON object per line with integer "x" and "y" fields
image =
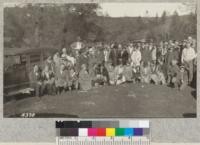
{"x": 128, "y": 132}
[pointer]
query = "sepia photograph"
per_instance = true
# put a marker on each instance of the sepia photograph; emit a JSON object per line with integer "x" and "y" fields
{"x": 100, "y": 60}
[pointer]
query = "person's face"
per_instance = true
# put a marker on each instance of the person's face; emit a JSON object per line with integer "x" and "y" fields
{"x": 160, "y": 62}
{"x": 46, "y": 68}
{"x": 137, "y": 69}
{"x": 92, "y": 51}
{"x": 84, "y": 67}
{"x": 36, "y": 68}
{"x": 182, "y": 70}
{"x": 173, "y": 62}
{"x": 176, "y": 43}
{"x": 55, "y": 55}
{"x": 143, "y": 45}
{"x": 95, "y": 66}
{"x": 49, "y": 58}
{"x": 190, "y": 38}
{"x": 72, "y": 70}
{"x": 188, "y": 45}
{"x": 77, "y": 53}
{"x": 64, "y": 50}
{"x": 62, "y": 67}
{"x": 120, "y": 46}
{"x": 170, "y": 49}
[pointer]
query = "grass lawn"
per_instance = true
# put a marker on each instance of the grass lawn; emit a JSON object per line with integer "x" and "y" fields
{"x": 123, "y": 101}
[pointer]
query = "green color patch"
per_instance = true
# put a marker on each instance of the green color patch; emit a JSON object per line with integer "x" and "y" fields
{"x": 119, "y": 131}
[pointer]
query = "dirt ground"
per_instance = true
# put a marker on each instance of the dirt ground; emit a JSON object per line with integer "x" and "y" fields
{"x": 124, "y": 101}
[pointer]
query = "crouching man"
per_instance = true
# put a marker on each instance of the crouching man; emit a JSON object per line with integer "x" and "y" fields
{"x": 48, "y": 81}
{"x": 176, "y": 76}
{"x": 62, "y": 79}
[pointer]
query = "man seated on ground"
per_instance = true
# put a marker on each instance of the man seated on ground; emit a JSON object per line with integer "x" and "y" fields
{"x": 99, "y": 75}
{"x": 176, "y": 76}
{"x": 137, "y": 75}
{"x": 104, "y": 73}
{"x": 158, "y": 77}
{"x": 145, "y": 71}
{"x": 73, "y": 79}
{"x": 62, "y": 79}
{"x": 111, "y": 73}
{"x": 85, "y": 79}
{"x": 35, "y": 78}
{"x": 48, "y": 81}
{"x": 128, "y": 73}
{"x": 119, "y": 76}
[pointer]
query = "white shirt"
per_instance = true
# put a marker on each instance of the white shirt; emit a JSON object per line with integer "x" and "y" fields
{"x": 153, "y": 54}
{"x": 188, "y": 54}
{"x": 106, "y": 55}
{"x": 70, "y": 58}
{"x": 136, "y": 58}
{"x": 130, "y": 48}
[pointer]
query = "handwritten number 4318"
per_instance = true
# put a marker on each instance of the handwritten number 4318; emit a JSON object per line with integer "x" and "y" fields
{"x": 27, "y": 115}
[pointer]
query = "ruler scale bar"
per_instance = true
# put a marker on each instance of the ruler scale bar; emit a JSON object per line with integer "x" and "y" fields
{"x": 111, "y": 142}
{"x": 103, "y": 132}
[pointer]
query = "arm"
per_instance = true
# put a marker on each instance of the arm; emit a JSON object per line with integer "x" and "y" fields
{"x": 182, "y": 57}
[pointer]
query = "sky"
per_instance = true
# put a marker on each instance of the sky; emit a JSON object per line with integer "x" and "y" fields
{"x": 135, "y": 9}
{"x": 142, "y": 9}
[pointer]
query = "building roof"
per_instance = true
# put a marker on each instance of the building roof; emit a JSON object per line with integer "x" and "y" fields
{"x": 20, "y": 51}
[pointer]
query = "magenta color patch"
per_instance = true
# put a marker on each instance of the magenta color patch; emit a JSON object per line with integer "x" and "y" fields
{"x": 92, "y": 132}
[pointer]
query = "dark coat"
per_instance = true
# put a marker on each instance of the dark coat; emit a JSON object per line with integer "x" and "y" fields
{"x": 114, "y": 57}
{"x": 35, "y": 79}
{"x": 62, "y": 79}
{"x": 124, "y": 56}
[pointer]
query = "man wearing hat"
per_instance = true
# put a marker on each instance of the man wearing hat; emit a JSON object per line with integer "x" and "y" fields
{"x": 187, "y": 59}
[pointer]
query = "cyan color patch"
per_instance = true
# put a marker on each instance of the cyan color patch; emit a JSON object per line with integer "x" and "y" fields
{"x": 128, "y": 132}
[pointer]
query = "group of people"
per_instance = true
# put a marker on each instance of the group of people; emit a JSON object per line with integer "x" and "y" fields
{"x": 84, "y": 66}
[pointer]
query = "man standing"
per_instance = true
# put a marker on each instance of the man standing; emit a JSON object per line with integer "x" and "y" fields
{"x": 135, "y": 57}
{"x": 124, "y": 56}
{"x": 187, "y": 59}
{"x": 35, "y": 77}
{"x": 114, "y": 55}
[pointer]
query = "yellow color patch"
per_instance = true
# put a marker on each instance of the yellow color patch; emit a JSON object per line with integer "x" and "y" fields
{"x": 110, "y": 131}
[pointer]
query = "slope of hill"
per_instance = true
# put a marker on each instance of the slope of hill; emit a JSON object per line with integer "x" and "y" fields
{"x": 22, "y": 31}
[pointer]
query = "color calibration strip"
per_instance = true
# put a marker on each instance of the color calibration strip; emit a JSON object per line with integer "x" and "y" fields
{"x": 103, "y": 132}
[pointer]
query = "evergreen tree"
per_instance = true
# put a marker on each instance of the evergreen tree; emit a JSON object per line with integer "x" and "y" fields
{"x": 164, "y": 17}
